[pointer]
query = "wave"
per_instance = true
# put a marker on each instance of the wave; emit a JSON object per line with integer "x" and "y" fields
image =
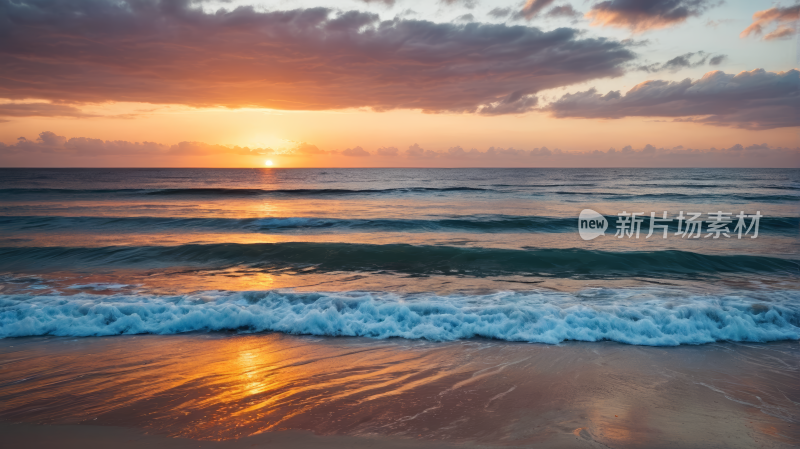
{"x": 637, "y": 317}
{"x": 525, "y": 191}
{"x": 470, "y": 224}
{"x": 237, "y": 191}
{"x": 401, "y": 258}
{"x": 694, "y": 198}
{"x": 738, "y": 187}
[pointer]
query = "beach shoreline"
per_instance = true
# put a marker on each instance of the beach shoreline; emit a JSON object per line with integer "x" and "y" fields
{"x": 278, "y": 390}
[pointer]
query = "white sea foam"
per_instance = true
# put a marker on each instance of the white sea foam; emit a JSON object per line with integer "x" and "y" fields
{"x": 640, "y": 317}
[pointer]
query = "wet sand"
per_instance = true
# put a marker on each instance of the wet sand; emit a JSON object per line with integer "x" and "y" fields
{"x": 104, "y": 437}
{"x": 226, "y": 390}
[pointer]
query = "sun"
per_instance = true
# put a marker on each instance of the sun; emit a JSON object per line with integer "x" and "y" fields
{"x": 268, "y": 163}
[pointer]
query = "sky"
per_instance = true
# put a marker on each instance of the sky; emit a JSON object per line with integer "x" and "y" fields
{"x": 399, "y": 83}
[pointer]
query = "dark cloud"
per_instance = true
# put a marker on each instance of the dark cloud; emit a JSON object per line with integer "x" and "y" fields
{"x": 563, "y": 11}
{"x": 168, "y": 52}
{"x": 40, "y": 110}
{"x": 685, "y": 61}
{"x": 466, "y": 18}
{"x": 718, "y": 59}
{"x": 643, "y": 15}
{"x": 533, "y": 7}
{"x": 752, "y": 100}
{"x": 780, "y": 17}
{"x": 499, "y": 13}
{"x": 515, "y": 103}
{"x": 688, "y": 60}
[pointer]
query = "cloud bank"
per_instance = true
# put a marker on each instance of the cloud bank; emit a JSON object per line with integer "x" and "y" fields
{"x": 752, "y": 100}
{"x": 51, "y": 146}
{"x": 171, "y": 52}
{"x": 50, "y": 149}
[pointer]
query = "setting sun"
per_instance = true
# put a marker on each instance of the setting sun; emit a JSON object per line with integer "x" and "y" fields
{"x": 268, "y": 163}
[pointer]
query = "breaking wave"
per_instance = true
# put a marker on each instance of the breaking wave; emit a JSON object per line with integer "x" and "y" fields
{"x": 651, "y": 317}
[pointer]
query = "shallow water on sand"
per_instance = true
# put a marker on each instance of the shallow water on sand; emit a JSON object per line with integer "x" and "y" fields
{"x": 222, "y": 386}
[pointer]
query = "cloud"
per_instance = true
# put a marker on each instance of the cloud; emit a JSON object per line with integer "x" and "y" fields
{"x": 534, "y": 7}
{"x": 782, "y": 32}
{"x": 685, "y": 61}
{"x": 778, "y": 16}
{"x": 387, "y": 151}
{"x": 499, "y": 13}
{"x": 563, "y": 11}
{"x": 169, "y": 52}
{"x": 387, "y": 3}
{"x": 515, "y": 103}
{"x": 416, "y": 152}
{"x": 644, "y": 15}
{"x": 718, "y": 59}
{"x": 50, "y": 149}
{"x": 469, "y": 4}
{"x": 49, "y": 143}
{"x": 752, "y": 100}
{"x": 306, "y": 149}
{"x": 757, "y": 155}
{"x": 355, "y": 152}
{"x": 40, "y": 110}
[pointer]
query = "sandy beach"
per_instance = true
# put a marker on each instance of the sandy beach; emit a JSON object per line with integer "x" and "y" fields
{"x": 276, "y": 390}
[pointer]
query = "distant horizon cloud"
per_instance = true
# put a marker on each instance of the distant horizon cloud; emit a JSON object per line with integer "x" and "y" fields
{"x": 750, "y": 100}
{"x": 49, "y": 143}
{"x": 71, "y": 52}
{"x": 644, "y": 15}
{"x": 77, "y": 151}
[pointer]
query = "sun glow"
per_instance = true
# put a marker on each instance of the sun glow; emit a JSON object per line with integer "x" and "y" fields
{"x": 268, "y": 163}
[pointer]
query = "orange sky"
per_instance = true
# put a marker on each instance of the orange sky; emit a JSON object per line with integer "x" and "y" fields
{"x": 339, "y": 130}
{"x": 350, "y": 82}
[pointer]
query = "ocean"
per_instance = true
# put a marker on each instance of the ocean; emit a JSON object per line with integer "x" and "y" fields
{"x": 446, "y": 305}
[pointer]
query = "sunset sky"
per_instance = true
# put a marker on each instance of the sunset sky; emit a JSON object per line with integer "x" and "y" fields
{"x": 399, "y": 83}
